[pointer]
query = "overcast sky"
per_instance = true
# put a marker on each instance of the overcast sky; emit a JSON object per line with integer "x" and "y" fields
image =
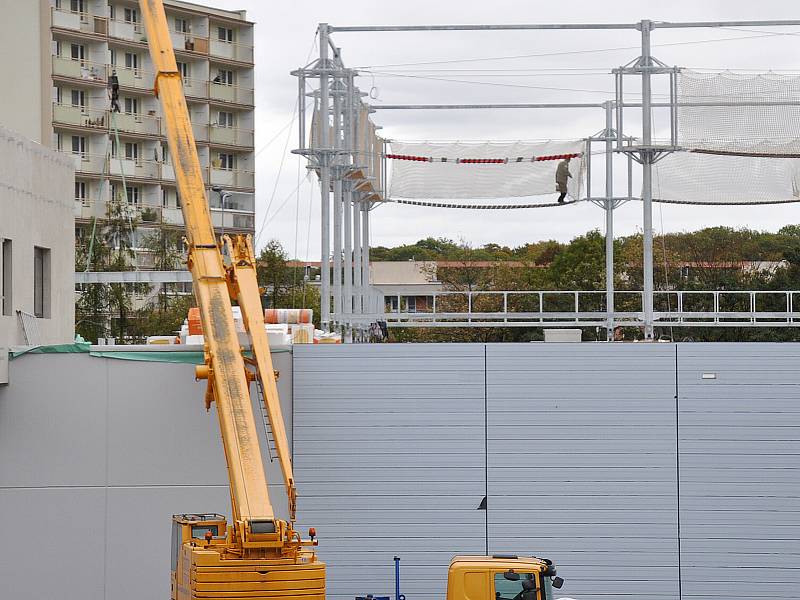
{"x": 285, "y": 36}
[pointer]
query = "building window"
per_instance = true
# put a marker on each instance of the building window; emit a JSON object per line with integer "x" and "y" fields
{"x": 227, "y": 161}
{"x": 131, "y": 151}
{"x": 224, "y": 77}
{"x": 184, "y": 70}
{"x": 411, "y": 304}
{"x": 79, "y": 145}
{"x": 78, "y": 52}
{"x": 183, "y": 25}
{"x": 130, "y": 15}
{"x": 80, "y": 191}
{"x": 6, "y": 279}
{"x": 78, "y": 6}
{"x": 226, "y": 119}
{"x": 41, "y": 282}
{"x": 131, "y": 61}
{"x": 225, "y": 34}
{"x": 164, "y": 198}
{"x": 133, "y": 194}
{"x": 78, "y": 98}
{"x": 132, "y": 106}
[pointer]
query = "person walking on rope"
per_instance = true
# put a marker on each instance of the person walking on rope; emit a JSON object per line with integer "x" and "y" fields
{"x": 562, "y": 175}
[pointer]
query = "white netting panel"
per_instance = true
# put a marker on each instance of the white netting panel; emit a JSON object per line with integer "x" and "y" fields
{"x": 720, "y": 179}
{"x": 458, "y": 181}
{"x": 732, "y": 112}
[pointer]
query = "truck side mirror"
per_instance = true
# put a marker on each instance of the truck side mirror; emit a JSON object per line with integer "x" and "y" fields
{"x": 511, "y": 575}
{"x": 557, "y": 582}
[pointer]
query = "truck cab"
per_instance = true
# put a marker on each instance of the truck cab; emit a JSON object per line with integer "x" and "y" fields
{"x": 501, "y": 577}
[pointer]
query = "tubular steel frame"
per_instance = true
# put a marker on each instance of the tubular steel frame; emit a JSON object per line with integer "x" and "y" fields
{"x": 355, "y": 302}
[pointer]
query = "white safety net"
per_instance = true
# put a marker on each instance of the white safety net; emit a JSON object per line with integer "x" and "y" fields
{"x": 739, "y": 113}
{"x": 451, "y": 170}
{"x": 694, "y": 178}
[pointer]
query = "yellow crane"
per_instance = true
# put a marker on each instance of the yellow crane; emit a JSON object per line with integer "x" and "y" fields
{"x": 258, "y": 556}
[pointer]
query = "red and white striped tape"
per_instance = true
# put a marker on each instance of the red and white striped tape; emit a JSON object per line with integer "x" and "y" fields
{"x": 483, "y": 161}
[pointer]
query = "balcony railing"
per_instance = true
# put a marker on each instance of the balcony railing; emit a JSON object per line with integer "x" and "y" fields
{"x": 231, "y": 136}
{"x": 137, "y": 123}
{"x": 189, "y": 42}
{"x": 231, "y": 177}
{"x": 79, "y": 69}
{"x": 197, "y": 88}
{"x": 67, "y": 19}
{"x": 232, "y": 219}
{"x": 126, "y": 30}
{"x": 133, "y": 78}
{"x": 230, "y": 93}
{"x": 231, "y": 50}
{"x": 83, "y": 116}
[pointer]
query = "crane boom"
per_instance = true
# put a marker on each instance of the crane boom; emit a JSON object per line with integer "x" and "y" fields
{"x": 257, "y": 555}
{"x": 228, "y": 379}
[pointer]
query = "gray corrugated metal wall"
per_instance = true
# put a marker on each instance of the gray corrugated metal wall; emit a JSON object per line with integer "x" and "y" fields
{"x": 389, "y": 447}
{"x": 582, "y": 464}
{"x": 391, "y": 459}
{"x": 740, "y": 470}
{"x": 584, "y": 445}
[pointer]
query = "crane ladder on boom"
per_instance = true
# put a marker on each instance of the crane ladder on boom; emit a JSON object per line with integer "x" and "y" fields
{"x": 257, "y": 555}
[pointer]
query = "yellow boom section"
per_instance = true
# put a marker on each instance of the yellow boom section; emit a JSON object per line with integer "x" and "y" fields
{"x": 226, "y": 373}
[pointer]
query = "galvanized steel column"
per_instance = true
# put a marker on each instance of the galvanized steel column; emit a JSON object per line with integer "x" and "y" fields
{"x": 324, "y": 180}
{"x": 647, "y": 180}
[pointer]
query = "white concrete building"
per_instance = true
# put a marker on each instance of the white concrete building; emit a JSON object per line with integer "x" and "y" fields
{"x": 37, "y": 252}
{"x": 66, "y": 50}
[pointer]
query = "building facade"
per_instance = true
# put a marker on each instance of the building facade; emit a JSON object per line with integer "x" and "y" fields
{"x": 37, "y": 251}
{"x": 124, "y": 155}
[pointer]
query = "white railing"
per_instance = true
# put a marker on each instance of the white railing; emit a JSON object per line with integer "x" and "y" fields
{"x": 126, "y": 30}
{"x": 79, "y": 21}
{"x": 231, "y": 178}
{"x": 85, "y": 70}
{"x": 690, "y": 308}
{"x": 232, "y": 136}
{"x": 231, "y": 50}
{"x": 230, "y": 93}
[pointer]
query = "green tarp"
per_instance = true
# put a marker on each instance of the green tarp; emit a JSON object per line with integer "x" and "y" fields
{"x": 189, "y": 357}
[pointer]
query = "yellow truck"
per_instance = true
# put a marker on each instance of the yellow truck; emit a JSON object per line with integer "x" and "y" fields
{"x": 257, "y": 556}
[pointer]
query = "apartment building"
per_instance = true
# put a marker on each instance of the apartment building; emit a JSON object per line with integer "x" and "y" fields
{"x": 124, "y": 154}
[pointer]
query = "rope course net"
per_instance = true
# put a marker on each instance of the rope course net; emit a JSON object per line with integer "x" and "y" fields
{"x": 481, "y": 171}
{"x": 741, "y": 139}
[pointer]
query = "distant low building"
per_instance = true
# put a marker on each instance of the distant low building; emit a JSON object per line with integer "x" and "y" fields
{"x": 37, "y": 252}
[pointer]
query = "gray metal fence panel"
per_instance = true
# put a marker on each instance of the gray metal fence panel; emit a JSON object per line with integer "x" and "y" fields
{"x": 389, "y": 459}
{"x": 740, "y": 477}
{"x": 582, "y": 463}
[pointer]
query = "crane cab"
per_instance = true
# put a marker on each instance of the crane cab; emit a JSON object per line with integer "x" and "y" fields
{"x": 501, "y": 577}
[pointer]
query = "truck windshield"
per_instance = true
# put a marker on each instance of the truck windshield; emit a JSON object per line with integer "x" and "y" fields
{"x": 525, "y": 588}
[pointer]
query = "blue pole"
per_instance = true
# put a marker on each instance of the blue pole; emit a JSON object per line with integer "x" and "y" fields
{"x": 397, "y": 594}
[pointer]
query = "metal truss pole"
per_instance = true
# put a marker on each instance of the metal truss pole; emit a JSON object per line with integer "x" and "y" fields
{"x": 366, "y": 288}
{"x": 324, "y": 179}
{"x": 645, "y": 63}
{"x": 347, "y": 124}
{"x": 357, "y": 289}
{"x": 609, "y": 206}
{"x": 337, "y": 204}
